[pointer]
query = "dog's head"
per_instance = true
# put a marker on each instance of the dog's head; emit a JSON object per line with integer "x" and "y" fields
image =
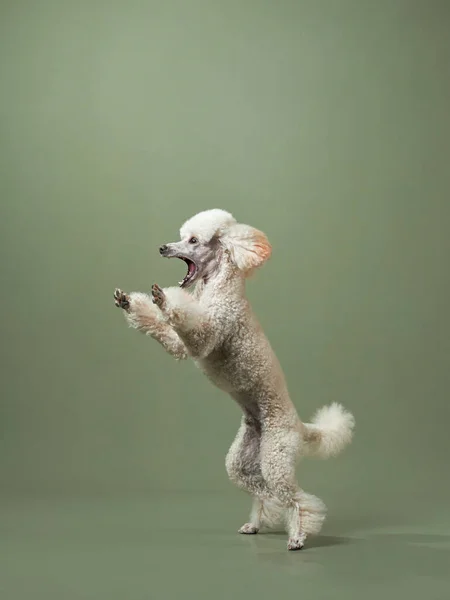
{"x": 207, "y": 236}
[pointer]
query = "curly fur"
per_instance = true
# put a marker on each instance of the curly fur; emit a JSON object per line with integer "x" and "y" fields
{"x": 216, "y": 327}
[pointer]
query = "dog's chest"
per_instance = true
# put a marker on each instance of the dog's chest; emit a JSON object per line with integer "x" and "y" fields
{"x": 223, "y": 313}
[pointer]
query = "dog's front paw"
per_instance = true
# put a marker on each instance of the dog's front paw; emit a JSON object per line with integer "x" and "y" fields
{"x": 121, "y": 300}
{"x": 158, "y": 296}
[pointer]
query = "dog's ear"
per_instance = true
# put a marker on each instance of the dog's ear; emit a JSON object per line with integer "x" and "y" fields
{"x": 249, "y": 248}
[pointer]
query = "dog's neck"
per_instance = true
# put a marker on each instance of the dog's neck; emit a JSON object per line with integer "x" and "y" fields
{"x": 224, "y": 280}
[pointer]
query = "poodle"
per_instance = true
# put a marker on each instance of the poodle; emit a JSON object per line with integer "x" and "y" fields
{"x": 216, "y": 327}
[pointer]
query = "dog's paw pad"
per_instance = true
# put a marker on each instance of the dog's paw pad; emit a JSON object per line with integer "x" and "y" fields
{"x": 158, "y": 296}
{"x": 248, "y": 529}
{"x": 121, "y": 300}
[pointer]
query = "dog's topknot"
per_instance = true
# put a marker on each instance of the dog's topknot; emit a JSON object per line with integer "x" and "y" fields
{"x": 205, "y": 225}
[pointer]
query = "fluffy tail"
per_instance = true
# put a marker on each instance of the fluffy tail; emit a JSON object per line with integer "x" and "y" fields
{"x": 329, "y": 432}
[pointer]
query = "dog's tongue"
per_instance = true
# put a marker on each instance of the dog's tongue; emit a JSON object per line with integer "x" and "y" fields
{"x": 191, "y": 268}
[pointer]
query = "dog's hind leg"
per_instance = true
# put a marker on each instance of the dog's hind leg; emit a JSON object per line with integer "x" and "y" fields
{"x": 243, "y": 458}
{"x": 244, "y": 470}
{"x": 255, "y": 522}
{"x": 304, "y": 513}
{"x": 266, "y": 512}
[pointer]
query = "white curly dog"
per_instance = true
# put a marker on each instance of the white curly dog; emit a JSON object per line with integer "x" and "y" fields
{"x": 217, "y": 328}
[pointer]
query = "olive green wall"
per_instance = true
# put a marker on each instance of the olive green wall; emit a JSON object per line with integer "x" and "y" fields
{"x": 326, "y": 124}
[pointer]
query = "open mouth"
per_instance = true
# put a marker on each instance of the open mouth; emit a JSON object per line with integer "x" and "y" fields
{"x": 190, "y": 275}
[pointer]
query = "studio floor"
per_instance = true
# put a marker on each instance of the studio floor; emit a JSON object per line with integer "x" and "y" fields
{"x": 170, "y": 546}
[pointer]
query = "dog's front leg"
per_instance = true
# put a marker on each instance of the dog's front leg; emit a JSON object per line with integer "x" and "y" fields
{"x": 188, "y": 319}
{"x": 141, "y": 314}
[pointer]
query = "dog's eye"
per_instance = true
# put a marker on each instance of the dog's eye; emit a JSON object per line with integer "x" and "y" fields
{"x": 193, "y": 240}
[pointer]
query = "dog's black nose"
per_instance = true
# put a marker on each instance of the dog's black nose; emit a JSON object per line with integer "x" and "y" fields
{"x": 163, "y": 249}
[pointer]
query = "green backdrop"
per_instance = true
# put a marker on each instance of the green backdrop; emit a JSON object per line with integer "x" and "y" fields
{"x": 326, "y": 124}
